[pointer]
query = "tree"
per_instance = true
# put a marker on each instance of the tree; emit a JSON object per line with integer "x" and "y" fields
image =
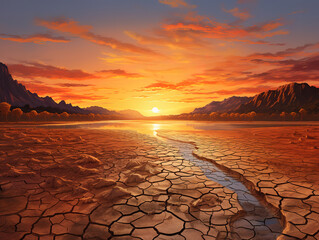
{"x": 293, "y": 115}
{"x": 224, "y": 116}
{"x": 303, "y": 113}
{"x": 283, "y": 116}
{"x": 64, "y": 116}
{"x": 252, "y": 115}
{"x": 32, "y": 115}
{"x": 16, "y": 114}
{"x": 4, "y": 110}
{"x": 44, "y": 115}
{"x": 214, "y": 115}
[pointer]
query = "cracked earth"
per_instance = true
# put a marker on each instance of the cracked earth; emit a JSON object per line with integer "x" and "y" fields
{"x": 279, "y": 164}
{"x": 113, "y": 184}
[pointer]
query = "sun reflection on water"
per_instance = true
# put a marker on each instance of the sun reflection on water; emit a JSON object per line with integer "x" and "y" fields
{"x": 155, "y": 128}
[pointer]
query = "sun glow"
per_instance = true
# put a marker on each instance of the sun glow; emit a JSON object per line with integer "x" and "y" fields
{"x": 155, "y": 110}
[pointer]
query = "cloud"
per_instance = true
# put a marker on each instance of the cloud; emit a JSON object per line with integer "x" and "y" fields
{"x": 225, "y": 31}
{"x": 81, "y": 97}
{"x": 285, "y": 53}
{"x": 177, "y": 3}
{"x": 171, "y": 39}
{"x": 187, "y": 100}
{"x": 35, "y": 70}
{"x": 35, "y": 38}
{"x": 60, "y": 93}
{"x": 73, "y": 85}
{"x": 305, "y": 69}
{"x": 232, "y": 92}
{"x": 243, "y": 90}
{"x": 276, "y": 71}
{"x": 160, "y": 85}
{"x": 119, "y": 73}
{"x": 84, "y": 31}
{"x": 38, "y": 70}
{"x": 240, "y": 73}
{"x": 194, "y": 25}
{"x": 241, "y": 14}
{"x": 163, "y": 85}
{"x": 43, "y": 89}
{"x": 246, "y": 71}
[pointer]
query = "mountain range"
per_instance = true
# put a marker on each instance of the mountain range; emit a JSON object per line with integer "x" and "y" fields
{"x": 287, "y": 98}
{"x": 16, "y": 94}
{"x": 227, "y": 105}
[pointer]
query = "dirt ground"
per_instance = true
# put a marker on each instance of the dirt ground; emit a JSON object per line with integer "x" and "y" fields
{"x": 112, "y": 184}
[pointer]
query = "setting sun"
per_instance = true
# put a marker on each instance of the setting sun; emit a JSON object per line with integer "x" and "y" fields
{"x": 155, "y": 110}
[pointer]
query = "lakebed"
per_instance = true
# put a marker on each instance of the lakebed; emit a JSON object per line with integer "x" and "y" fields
{"x": 160, "y": 180}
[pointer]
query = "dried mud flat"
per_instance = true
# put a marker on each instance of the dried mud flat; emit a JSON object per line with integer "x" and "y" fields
{"x": 86, "y": 184}
{"x": 113, "y": 184}
{"x": 280, "y": 164}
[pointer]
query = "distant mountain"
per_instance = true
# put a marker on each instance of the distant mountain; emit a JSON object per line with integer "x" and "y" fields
{"x": 287, "y": 98}
{"x": 17, "y": 95}
{"x": 227, "y": 105}
{"x": 131, "y": 114}
{"x": 99, "y": 110}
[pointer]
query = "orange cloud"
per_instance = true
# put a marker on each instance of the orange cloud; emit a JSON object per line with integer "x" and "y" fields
{"x": 35, "y": 38}
{"x": 43, "y": 89}
{"x": 304, "y": 69}
{"x": 285, "y": 53}
{"x": 73, "y": 85}
{"x": 188, "y": 100}
{"x": 284, "y": 71}
{"x": 242, "y": 15}
{"x": 193, "y": 25}
{"x": 119, "y": 73}
{"x": 177, "y": 3}
{"x": 243, "y": 90}
{"x": 171, "y": 39}
{"x": 163, "y": 85}
{"x": 83, "y": 31}
{"x": 81, "y": 97}
{"x": 34, "y": 70}
{"x": 225, "y": 31}
{"x": 60, "y": 93}
{"x": 38, "y": 70}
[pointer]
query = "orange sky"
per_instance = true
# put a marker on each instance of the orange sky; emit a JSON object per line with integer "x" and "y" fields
{"x": 171, "y": 54}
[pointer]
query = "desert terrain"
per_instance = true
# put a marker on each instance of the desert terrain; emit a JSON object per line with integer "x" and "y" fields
{"x": 121, "y": 184}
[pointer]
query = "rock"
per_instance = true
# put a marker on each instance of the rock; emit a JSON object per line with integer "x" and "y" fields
{"x": 134, "y": 178}
{"x": 86, "y": 160}
{"x": 103, "y": 183}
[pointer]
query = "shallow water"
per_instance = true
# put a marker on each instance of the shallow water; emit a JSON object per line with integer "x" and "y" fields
{"x": 259, "y": 221}
{"x": 150, "y": 127}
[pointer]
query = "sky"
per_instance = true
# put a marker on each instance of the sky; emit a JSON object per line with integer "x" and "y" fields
{"x": 175, "y": 55}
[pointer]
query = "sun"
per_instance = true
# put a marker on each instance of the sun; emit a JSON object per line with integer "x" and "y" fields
{"x": 155, "y": 110}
